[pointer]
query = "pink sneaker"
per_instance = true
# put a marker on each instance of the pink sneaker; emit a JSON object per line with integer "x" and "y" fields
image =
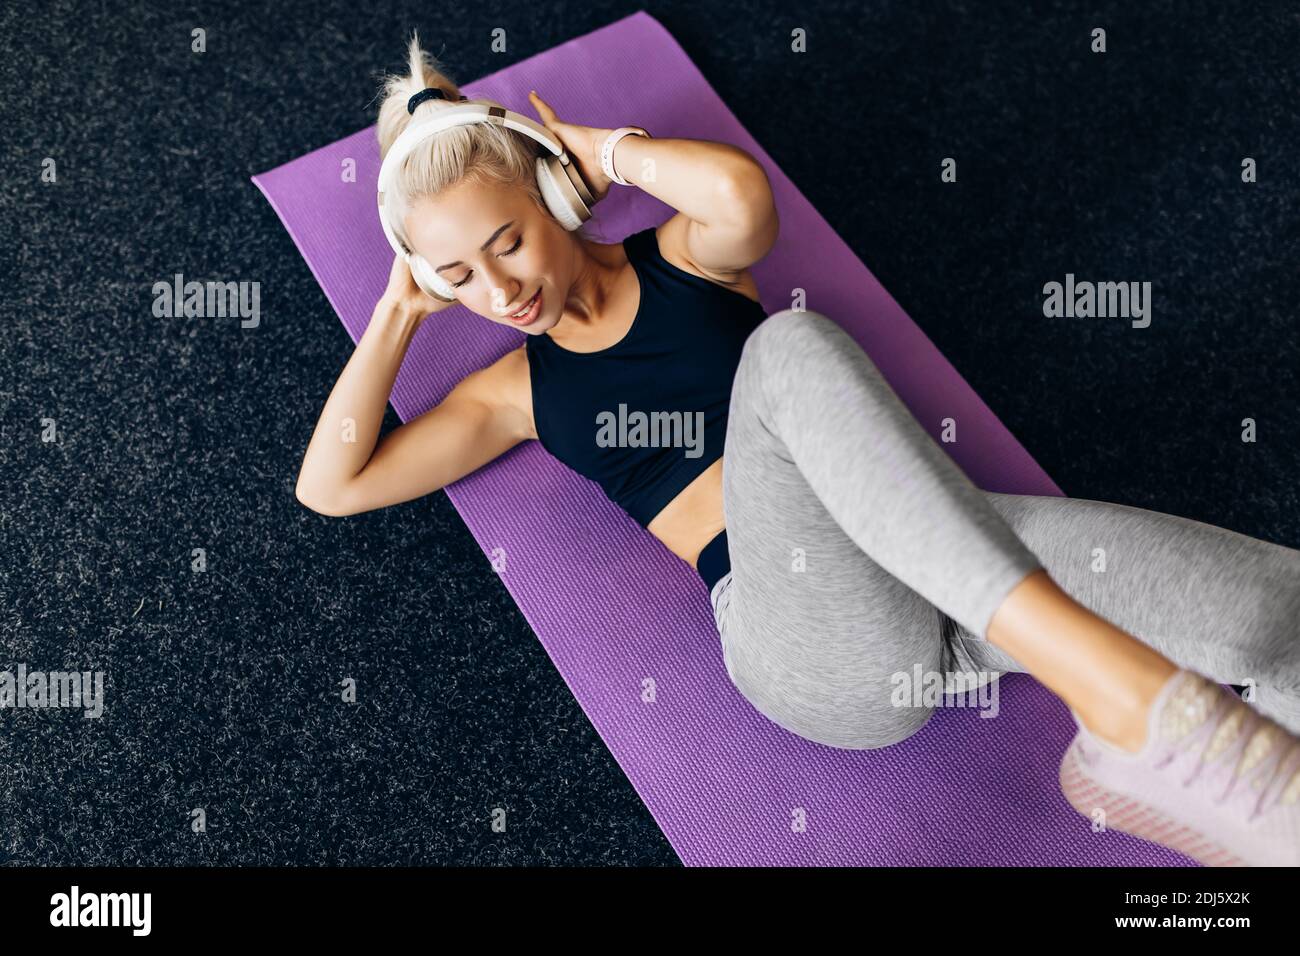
{"x": 1214, "y": 780}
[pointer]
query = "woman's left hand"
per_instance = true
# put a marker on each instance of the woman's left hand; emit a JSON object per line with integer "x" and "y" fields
{"x": 582, "y": 143}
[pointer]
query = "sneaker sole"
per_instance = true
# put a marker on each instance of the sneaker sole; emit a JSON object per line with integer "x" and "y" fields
{"x": 1130, "y": 815}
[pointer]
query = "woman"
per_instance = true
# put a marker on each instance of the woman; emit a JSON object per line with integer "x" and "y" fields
{"x": 842, "y": 547}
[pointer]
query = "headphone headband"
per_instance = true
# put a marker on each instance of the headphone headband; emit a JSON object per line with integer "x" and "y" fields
{"x": 418, "y": 132}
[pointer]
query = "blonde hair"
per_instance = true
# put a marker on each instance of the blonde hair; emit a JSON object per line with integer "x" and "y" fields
{"x": 481, "y": 153}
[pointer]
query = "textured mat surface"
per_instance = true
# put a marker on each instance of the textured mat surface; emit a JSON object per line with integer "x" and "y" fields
{"x": 616, "y": 611}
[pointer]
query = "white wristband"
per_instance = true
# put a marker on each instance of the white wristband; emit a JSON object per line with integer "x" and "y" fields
{"x": 607, "y": 151}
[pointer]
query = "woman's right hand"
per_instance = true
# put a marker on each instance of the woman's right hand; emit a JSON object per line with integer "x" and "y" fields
{"x": 405, "y": 294}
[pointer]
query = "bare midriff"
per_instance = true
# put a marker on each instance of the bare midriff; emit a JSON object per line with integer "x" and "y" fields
{"x": 693, "y": 518}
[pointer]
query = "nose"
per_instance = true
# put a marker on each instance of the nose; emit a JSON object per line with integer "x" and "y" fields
{"x": 503, "y": 301}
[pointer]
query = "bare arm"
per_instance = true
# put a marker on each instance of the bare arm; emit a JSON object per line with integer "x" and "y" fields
{"x": 344, "y": 473}
{"x": 726, "y": 214}
{"x": 726, "y": 219}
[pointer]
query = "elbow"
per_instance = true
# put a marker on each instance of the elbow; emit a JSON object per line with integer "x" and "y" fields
{"x": 747, "y": 194}
{"x": 751, "y": 206}
{"x": 329, "y": 506}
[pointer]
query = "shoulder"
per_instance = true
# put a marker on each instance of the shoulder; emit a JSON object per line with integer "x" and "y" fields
{"x": 506, "y": 387}
{"x": 672, "y": 238}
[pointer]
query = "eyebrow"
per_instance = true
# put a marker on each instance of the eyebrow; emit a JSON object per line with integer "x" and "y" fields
{"x": 483, "y": 248}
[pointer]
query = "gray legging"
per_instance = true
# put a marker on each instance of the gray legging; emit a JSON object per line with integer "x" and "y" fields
{"x": 860, "y": 550}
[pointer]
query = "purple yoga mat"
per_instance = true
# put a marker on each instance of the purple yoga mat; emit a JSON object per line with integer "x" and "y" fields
{"x": 616, "y": 610}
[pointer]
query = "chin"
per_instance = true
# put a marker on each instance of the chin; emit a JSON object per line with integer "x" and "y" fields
{"x": 542, "y": 325}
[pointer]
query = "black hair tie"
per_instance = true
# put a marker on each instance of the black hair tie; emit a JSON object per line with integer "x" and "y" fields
{"x": 432, "y": 93}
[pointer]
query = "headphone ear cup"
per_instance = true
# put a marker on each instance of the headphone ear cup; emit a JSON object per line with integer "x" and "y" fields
{"x": 567, "y": 198}
{"x": 429, "y": 281}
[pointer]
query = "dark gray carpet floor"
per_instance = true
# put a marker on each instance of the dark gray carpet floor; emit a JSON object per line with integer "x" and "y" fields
{"x": 223, "y": 687}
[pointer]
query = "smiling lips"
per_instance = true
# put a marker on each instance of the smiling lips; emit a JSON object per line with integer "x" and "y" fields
{"x": 527, "y": 312}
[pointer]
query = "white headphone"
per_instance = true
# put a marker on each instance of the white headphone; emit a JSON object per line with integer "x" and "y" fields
{"x": 563, "y": 190}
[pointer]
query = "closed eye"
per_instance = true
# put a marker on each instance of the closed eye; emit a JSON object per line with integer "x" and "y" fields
{"x": 509, "y": 252}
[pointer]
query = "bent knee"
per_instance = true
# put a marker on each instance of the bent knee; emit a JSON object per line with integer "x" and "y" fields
{"x": 792, "y": 329}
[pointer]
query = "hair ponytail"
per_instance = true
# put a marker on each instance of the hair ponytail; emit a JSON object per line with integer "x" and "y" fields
{"x": 423, "y": 71}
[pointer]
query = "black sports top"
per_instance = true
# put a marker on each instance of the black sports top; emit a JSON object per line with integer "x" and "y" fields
{"x": 646, "y": 416}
